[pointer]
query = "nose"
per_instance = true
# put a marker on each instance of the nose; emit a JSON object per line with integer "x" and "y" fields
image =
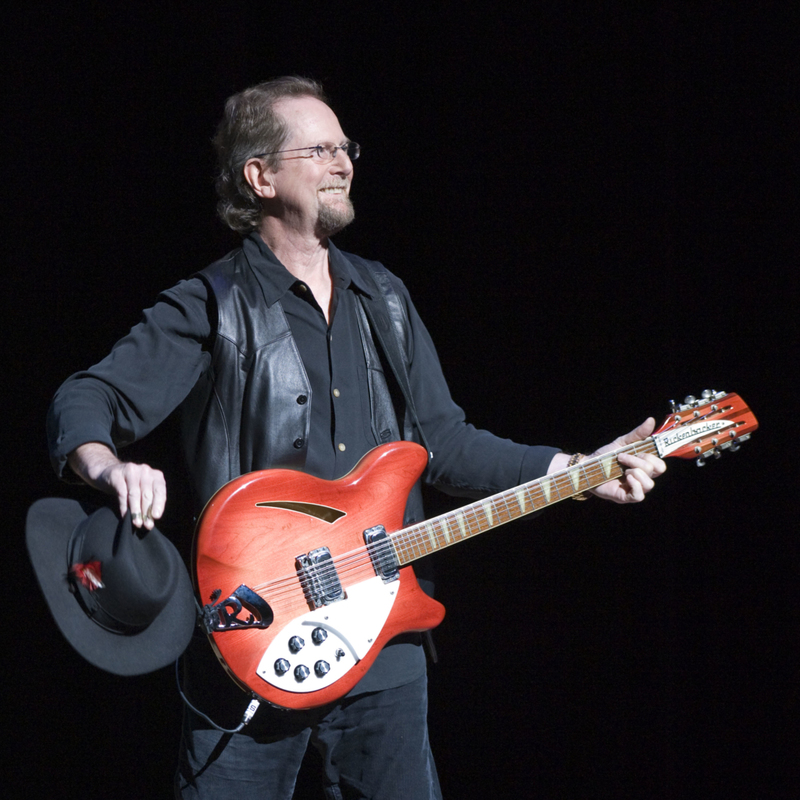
{"x": 341, "y": 164}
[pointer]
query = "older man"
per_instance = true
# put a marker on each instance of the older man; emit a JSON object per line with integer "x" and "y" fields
{"x": 273, "y": 363}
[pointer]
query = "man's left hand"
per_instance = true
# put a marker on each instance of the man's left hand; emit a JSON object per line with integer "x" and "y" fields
{"x": 640, "y": 471}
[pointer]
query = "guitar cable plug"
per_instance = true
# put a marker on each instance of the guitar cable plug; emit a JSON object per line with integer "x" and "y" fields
{"x": 250, "y": 711}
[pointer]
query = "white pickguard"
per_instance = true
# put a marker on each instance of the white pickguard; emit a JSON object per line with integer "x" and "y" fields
{"x": 352, "y": 626}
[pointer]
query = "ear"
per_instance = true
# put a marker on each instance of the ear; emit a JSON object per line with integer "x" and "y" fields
{"x": 260, "y": 178}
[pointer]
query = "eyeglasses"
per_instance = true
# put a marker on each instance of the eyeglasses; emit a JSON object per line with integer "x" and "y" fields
{"x": 322, "y": 153}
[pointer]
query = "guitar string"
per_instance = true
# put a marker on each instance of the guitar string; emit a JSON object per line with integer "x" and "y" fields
{"x": 414, "y": 537}
{"x": 417, "y": 537}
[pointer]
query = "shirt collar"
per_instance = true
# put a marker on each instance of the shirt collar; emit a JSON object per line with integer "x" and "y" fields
{"x": 276, "y": 280}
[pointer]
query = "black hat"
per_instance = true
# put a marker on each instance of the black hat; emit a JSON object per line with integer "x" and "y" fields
{"x": 121, "y": 596}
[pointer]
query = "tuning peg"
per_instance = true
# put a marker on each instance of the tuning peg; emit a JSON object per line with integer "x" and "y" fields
{"x": 689, "y": 399}
{"x": 707, "y": 394}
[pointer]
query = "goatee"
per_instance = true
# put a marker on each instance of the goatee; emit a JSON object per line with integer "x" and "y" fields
{"x": 333, "y": 218}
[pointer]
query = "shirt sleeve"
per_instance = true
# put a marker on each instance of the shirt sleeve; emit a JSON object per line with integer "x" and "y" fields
{"x": 147, "y": 374}
{"x": 466, "y": 461}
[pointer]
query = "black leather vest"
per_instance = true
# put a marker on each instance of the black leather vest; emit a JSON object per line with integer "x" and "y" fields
{"x": 250, "y": 409}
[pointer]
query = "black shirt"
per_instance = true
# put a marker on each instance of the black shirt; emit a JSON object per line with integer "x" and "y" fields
{"x": 151, "y": 370}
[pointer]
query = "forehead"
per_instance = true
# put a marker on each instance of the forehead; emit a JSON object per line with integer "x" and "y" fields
{"x": 310, "y": 121}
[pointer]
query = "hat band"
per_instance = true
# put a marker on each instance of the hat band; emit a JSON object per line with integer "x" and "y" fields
{"x": 88, "y": 599}
{"x": 97, "y": 613}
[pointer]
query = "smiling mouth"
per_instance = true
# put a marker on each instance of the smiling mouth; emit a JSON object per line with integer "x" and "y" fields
{"x": 334, "y": 190}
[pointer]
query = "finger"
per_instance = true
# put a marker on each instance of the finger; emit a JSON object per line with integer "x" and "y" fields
{"x": 154, "y": 496}
{"x": 159, "y": 496}
{"x": 639, "y": 432}
{"x": 132, "y": 475}
{"x": 135, "y": 505}
{"x": 634, "y": 491}
{"x": 649, "y": 464}
{"x": 641, "y": 479}
{"x": 119, "y": 487}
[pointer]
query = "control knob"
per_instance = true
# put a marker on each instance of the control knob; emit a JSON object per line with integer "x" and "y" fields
{"x": 319, "y": 635}
{"x": 322, "y": 668}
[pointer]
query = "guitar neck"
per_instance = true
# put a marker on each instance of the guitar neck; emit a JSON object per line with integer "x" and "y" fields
{"x": 447, "y": 529}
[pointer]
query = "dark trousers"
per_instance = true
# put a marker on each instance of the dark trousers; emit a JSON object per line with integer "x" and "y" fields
{"x": 372, "y": 745}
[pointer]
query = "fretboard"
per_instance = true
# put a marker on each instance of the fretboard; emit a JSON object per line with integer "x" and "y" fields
{"x": 439, "y": 532}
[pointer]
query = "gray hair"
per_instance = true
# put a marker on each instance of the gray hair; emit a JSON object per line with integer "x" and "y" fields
{"x": 250, "y": 126}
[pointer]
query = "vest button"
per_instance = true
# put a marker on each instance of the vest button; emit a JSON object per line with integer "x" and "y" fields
{"x": 302, "y": 399}
{"x": 298, "y": 443}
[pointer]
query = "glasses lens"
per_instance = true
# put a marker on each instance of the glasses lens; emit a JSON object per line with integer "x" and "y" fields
{"x": 327, "y": 152}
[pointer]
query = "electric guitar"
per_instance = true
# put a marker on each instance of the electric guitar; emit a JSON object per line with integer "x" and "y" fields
{"x": 305, "y": 580}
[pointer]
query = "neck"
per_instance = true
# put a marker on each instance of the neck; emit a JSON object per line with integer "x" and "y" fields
{"x": 305, "y": 257}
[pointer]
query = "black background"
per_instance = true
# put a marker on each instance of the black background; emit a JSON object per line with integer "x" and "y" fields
{"x": 595, "y": 208}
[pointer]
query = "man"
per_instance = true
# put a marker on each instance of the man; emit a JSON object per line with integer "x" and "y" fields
{"x": 273, "y": 363}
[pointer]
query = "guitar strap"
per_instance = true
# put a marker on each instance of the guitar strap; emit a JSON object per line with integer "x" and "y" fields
{"x": 389, "y": 321}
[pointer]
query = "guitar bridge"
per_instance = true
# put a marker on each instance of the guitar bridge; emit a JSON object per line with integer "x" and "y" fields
{"x": 319, "y": 578}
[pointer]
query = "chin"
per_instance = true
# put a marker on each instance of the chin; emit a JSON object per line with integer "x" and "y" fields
{"x": 332, "y": 219}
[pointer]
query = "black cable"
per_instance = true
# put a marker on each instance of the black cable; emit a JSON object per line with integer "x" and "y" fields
{"x": 246, "y": 717}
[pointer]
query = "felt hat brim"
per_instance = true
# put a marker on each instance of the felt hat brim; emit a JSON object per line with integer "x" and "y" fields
{"x": 49, "y": 526}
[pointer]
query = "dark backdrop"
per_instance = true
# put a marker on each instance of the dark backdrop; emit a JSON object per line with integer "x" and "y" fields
{"x": 595, "y": 208}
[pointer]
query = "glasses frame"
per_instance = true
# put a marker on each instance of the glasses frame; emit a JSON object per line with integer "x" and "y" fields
{"x": 315, "y": 151}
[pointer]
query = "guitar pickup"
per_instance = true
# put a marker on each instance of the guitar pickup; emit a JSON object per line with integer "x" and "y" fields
{"x": 319, "y": 578}
{"x": 381, "y": 551}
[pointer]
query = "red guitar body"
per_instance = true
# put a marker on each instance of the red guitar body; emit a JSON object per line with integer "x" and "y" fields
{"x": 240, "y": 542}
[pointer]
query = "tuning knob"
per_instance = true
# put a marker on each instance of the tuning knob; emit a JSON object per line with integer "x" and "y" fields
{"x": 689, "y": 399}
{"x": 321, "y": 669}
{"x": 319, "y": 635}
{"x": 281, "y": 666}
{"x": 301, "y": 672}
{"x": 296, "y": 644}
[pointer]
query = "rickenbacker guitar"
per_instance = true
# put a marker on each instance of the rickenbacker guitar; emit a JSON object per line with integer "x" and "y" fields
{"x": 305, "y": 580}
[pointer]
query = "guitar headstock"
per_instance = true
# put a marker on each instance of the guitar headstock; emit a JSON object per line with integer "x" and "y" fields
{"x": 704, "y": 427}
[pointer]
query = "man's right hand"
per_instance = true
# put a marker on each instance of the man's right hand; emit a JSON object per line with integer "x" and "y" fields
{"x": 138, "y": 487}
